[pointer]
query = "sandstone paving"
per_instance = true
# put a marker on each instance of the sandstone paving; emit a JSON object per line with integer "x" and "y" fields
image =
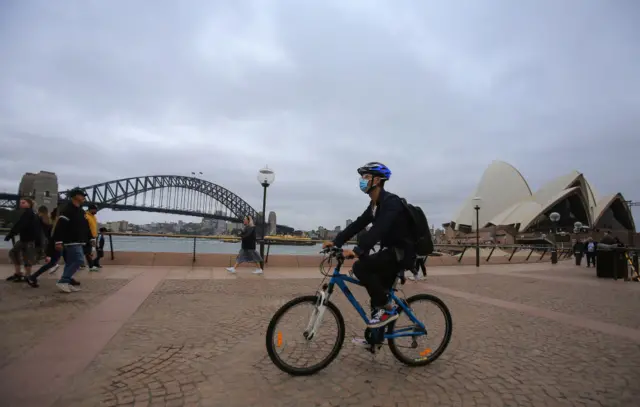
{"x": 201, "y": 343}
{"x": 199, "y": 340}
{"x": 29, "y": 314}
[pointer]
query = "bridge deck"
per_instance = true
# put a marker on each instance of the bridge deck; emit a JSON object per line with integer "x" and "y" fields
{"x": 523, "y": 335}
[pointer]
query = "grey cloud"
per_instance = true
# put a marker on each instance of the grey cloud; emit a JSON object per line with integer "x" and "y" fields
{"x": 109, "y": 90}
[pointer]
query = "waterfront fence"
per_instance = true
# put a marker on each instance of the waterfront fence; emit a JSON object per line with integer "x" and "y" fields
{"x": 192, "y": 243}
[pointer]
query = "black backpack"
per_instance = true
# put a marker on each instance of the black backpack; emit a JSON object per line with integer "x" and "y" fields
{"x": 421, "y": 239}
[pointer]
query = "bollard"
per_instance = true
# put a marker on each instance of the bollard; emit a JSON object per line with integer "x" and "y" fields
{"x": 266, "y": 259}
{"x": 193, "y": 260}
{"x": 111, "y": 245}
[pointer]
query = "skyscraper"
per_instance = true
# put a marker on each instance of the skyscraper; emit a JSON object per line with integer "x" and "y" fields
{"x": 349, "y": 221}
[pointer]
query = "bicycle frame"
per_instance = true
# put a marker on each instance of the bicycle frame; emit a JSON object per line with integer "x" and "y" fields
{"x": 341, "y": 280}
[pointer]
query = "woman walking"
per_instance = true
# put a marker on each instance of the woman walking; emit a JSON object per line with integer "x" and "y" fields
{"x": 248, "y": 252}
{"x": 52, "y": 255}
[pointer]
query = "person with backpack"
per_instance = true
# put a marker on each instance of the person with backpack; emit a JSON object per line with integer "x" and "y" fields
{"x": 590, "y": 250}
{"x": 392, "y": 227}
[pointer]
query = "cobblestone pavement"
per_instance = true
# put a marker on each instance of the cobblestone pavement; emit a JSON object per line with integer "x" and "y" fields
{"x": 28, "y": 314}
{"x": 201, "y": 343}
{"x": 613, "y": 302}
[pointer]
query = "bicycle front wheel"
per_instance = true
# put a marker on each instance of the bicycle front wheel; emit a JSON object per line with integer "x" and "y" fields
{"x": 292, "y": 343}
{"x": 413, "y": 346}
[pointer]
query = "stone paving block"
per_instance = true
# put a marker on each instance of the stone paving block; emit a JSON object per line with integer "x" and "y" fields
{"x": 201, "y": 342}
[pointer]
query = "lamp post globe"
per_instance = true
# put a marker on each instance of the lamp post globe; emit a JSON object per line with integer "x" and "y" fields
{"x": 577, "y": 227}
{"x": 476, "y": 201}
{"x": 555, "y": 217}
{"x": 266, "y": 177}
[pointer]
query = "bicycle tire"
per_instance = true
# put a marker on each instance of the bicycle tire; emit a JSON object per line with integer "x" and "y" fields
{"x": 441, "y": 348}
{"x": 294, "y": 371}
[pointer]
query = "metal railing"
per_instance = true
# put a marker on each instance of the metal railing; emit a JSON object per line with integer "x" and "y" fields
{"x": 457, "y": 251}
{"x": 454, "y": 250}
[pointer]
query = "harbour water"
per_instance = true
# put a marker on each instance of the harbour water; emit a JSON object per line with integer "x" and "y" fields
{"x": 185, "y": 245}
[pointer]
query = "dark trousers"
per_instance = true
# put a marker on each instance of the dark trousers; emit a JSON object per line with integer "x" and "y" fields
{"x": 377, "y": 273}
{"x": 87, "y": 249}
{"x": 48, "y": 266}
{"x": 591, "y": 259}
{"x": 578, "y": 257}
{"x": 99, "y": 255}
{"x": 422, "y": 265}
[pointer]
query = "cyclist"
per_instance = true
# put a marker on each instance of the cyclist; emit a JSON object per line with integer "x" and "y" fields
{"x": 391, "y": 227}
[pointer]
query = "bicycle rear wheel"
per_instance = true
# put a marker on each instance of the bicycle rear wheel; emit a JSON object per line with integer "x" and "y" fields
{"x": 426, "y": 353}
{"x": 289, "y": 343}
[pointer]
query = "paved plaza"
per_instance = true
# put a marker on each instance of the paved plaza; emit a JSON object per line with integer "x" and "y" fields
{"x": 523, "y": 335}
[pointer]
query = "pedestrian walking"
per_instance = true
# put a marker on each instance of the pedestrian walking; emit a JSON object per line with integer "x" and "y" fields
{"x": 100, "y": 248}
{"x": 52, "y": 256}
{"x": 24, "y": 251}
{"x": 248, "y": 253}
{"x": 70, "y": 234}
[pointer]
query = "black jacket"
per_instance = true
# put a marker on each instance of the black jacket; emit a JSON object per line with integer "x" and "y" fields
{"x": 248, "y": 236}
{"x": 72, "y": 227}
{"x": 47, "y": 229}
{"x": 391, "y": 226}
{"x": 27, "y": 227}
{"x": 100, "y": 242}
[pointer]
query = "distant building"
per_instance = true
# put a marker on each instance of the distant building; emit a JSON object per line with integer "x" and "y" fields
{"x": 337, "y": 229}
{"x": 120, "y": 226}
{"x": 349, "y": 221}
{"x": 41, "y": 187}
{"x": 271, "y": 227}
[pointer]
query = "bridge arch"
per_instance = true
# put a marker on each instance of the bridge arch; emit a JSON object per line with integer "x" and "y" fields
{"x": 108, "y": 194}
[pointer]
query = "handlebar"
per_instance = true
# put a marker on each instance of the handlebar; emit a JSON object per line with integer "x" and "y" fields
{"x": 334, "y": 251}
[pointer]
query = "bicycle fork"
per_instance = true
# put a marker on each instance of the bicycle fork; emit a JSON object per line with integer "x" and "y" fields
{"x": 316, "y": 316}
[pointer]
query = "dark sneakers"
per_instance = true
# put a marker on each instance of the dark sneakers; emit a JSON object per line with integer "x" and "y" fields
{"x": 33, "y": 282}
{"x": 16, "y": 278}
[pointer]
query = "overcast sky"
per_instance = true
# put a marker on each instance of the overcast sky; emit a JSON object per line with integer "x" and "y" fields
{"x": 100, "y": 90}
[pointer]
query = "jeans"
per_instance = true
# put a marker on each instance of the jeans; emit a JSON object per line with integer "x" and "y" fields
{"x": 48, "y": 266}
{"x": 73, "y": 259}
{"x": 377, "y": 273}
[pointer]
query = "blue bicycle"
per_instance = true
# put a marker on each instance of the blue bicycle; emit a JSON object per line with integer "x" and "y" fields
{"x": 282, "y": 339}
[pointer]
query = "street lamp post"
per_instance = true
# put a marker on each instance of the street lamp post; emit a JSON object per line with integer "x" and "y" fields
{"x": 555, "y": 217}
{"x": 266, "y": 177}
{"x": 477, "y": 200}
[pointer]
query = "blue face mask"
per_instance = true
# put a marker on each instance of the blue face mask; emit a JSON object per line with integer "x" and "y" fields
{"x": 364, "y": 185}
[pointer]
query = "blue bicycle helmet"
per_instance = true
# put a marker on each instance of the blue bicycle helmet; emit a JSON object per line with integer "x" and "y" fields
{"x": 376, "y": 169}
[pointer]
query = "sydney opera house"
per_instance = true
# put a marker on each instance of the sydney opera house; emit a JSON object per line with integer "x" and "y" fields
{"x": 507, "y": 202}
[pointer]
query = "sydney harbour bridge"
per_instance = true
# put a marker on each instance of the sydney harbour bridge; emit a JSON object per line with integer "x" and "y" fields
{"x": 172, "y": 194}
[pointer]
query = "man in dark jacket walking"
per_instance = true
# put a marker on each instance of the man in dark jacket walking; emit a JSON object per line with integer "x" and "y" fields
{"x": 24, "y": 251}
{"x": 71, "y": 234}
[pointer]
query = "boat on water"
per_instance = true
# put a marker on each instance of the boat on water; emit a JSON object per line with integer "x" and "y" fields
{"x": 288, "y": 240}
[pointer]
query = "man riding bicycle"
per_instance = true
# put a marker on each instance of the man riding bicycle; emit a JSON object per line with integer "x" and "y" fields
{"x": 391, "y": 227}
